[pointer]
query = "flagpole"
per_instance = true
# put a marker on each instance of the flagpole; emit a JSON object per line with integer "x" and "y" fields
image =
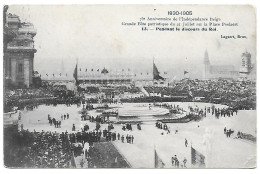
{"x": 77, "y": 69}
{"x": 153, "y": 75}
{"x": 76, "y": 79}
{"x": 154, "y": 156}
{"x": 191, "y": 154}
{"x": 153, "y": 70}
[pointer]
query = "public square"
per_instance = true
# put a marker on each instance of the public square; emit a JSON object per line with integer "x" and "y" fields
{"x": 208, "y": 138}
{"x": 128, "y": 86}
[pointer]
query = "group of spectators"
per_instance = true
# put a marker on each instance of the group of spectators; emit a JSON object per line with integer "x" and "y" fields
{"x": 161, "y": 125}
{"x": 222, "y": 112}
{"x": 86, "y": 137}
{"x": 176, "y": 162}
{"x": 29, "y": 98}
{"x": 57, "y": 122}
{"x": 127, "y": 126}
{"x": 44, "y": 150}
{"x": 108, "y": 90}
{"x": 241, "y": 94}
{"x": 22, "y": 98}
{"x": 228, "y": 132}
{"x": 99, "y": 118}
{"x": 58, "y": 150}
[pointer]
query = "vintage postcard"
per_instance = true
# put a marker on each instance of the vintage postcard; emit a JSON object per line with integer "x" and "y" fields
{"x": 129, "y": 86}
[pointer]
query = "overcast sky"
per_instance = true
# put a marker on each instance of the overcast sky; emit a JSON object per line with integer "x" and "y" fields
{"x": 95, "y": 36}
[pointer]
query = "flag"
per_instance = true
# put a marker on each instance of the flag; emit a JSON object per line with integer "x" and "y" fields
{"x": 156, "y": 73}
{"x": 158, "y": 163}
{"x": 75, "y": 74}
{"x": 185, "y": 72}
{"x": 197, "y": 159}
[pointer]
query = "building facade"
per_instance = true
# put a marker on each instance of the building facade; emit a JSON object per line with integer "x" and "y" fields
{"x": 218, "y": 71}
{"x": 104, "y": 77}
{"x": 247, "y": 69}
{"x": 127, "y": 77}
{"x": 19, "y": 52}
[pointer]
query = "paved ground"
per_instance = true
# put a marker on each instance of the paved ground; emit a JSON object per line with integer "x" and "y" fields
{"x": 208, "y": 138}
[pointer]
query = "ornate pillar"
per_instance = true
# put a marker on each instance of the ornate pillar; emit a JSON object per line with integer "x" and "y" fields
{"x": 26, "y": 72}
{"x": 13, "y": 69}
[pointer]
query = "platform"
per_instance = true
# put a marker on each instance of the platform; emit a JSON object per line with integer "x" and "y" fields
{"x": 142, "y": 111}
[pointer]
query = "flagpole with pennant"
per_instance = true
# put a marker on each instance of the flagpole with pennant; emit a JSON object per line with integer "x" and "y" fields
{"x": 153, "y": 76}
{"x": 153, "y": 71}
{"x": 75, "y": 74}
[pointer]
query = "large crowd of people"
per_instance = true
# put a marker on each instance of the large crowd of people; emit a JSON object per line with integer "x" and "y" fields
{"x": 43, "y": 150}
{"x": 236, "y": 94}
{"x": 30, "y": 98}
{"x": 240, "y": 94}
{"x": 53, "y": 150}
{"x": 107, "y": 89}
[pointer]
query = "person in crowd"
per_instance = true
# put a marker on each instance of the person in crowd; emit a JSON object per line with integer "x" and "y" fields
{"x": 122, "y": 138}
{"x": 54, "y": 121}
{"x": 50, "y": 122}
{"x": 175, "y": 161}
{"x": 139, "y": 126}
{"x": 105, "y": 132}
{"x": 184, "y": 162}
{"x": 186, "y": 142}
{"x": 124, "y": 127}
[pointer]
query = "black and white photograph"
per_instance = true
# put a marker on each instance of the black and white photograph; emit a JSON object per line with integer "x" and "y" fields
{"x": 93, "y": 86}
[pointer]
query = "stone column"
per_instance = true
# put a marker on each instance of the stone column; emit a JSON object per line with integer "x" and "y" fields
{"x": 26, "y": 72}
{"x": 31, "y": 70}
{"x": 8, "y": 67}
{"x": 13, "y": 69}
